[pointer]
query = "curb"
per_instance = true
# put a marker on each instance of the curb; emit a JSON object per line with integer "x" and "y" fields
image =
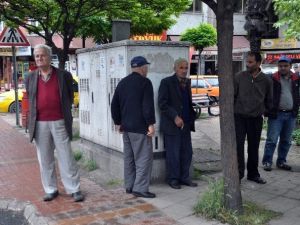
{"x": 29, "y": 211}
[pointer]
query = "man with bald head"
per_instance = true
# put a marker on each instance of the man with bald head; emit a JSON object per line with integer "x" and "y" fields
{"x": 177, "y": 122}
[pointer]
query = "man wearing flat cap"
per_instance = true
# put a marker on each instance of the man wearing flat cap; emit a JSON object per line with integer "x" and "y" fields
{"x": 282, "y": 116}
{"x": 132, "y": 110}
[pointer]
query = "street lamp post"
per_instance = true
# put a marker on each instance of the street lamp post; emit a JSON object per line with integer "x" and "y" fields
{"x": 256, "y": 22}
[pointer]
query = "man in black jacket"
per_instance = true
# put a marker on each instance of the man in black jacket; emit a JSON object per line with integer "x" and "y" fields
{"x": 282, "y": 116}
{"x": 132, "y": 110}
{"x": 177, "y": 122}
{"x": 252, "y": 97}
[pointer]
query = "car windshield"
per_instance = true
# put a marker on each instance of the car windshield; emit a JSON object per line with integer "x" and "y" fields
{"x": 213, "y": 81}
{"x": 201, "y": 84}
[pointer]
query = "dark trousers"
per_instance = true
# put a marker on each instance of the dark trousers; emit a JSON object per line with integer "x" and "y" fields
{"x": 250, "y": 127}
{"x": 178, "y": 155}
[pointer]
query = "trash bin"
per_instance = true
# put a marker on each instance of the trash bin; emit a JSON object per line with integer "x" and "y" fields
{"x": 25, "y": 110}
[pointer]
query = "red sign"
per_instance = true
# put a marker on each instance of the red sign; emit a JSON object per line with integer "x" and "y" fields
{"x": 13, "y": 37}
{"x": 275, "y": 57}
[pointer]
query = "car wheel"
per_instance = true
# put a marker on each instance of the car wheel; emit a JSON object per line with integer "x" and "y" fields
{"x": 213, "y": 108}
{"x": 197, "y": 109}
{"x": 12, "y": 108}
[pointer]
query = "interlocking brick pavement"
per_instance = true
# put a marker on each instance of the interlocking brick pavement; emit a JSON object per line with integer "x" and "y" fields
{"x": 20, "y": 180}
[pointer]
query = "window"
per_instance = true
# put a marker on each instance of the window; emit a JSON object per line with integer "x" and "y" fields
{"x": 241, "y": 6}
{"x": 196, "y": 6}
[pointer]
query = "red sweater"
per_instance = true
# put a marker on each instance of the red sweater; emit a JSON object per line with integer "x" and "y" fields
{"x": 48, "y": 99}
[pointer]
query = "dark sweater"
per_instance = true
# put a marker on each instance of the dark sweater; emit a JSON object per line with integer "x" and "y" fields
{"x": 132, "y": 105}
{"x": 252, "y": 96}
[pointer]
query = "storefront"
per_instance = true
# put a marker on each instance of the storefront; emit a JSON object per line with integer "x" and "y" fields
{"x": 24, "y": 61}
{"x": 274, "y": 48}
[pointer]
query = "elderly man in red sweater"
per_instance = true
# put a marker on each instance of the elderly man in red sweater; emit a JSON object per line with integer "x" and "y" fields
{"x": 50, "y": 123}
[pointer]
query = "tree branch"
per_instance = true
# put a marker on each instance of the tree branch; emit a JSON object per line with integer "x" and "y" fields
{"x": 211, "y": 4}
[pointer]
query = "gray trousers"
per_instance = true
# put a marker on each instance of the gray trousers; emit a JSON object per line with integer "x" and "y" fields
{"x": 50, "y": 135}
{"x": 138, "y": 157}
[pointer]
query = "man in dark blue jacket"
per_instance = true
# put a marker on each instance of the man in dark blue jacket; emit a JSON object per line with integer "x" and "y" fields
{"x": 282, "y": 116}
{"x": 177, "y": 122}
{"x": 132, "y": 110}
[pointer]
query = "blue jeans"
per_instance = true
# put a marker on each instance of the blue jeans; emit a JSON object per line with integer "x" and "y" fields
{"x": 282, "y": 127}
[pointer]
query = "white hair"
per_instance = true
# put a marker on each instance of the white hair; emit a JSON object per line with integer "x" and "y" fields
{"x": 179, "y": 61}
{"x": 46, "y": 47}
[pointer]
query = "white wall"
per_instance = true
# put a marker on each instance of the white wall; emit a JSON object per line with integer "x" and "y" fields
{"x": 185, "y": 21}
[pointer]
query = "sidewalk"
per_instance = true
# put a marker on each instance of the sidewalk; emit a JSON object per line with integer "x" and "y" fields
{"x": 114, "y": 207}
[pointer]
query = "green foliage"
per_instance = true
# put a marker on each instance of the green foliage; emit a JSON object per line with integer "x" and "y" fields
{"x": 288, "y": 13}
{"x": 77, "y": 155}
{"x": 204, "y": 35}
{"x": 296, "y": 136}
{"x": 89, "y": 18}
{"x": 114, "y": 182}
{"x": 197, "y": 174}
{"x": 211, "y": 205}
{"x": 90, "y": 165}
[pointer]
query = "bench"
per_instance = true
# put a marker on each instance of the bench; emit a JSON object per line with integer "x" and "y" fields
{"x": 203, "y": 101}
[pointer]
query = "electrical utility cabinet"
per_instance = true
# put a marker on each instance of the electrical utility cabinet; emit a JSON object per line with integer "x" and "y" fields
{"x": 99, "y": 71}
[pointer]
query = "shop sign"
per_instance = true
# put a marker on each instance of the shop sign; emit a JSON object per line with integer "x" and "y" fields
{"x": 275, "y": 57}
{"x": 150, "y": 37}
{"x": 20, "y": 51}
{"x": 279, "y": 43}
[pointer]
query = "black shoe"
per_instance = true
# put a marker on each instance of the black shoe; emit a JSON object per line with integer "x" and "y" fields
{"x": 267, "y": 166}
{"x": 128, "y": 190}
{"x": 189, "y": 183}
{"x": 284, "y": 166}
{"x": 174, "y": 185}
{"x": 78, "y": 196}
{"x": 144, "y": 194}
{"x": 49, "y": 197}
{"x": 258, "y": 180}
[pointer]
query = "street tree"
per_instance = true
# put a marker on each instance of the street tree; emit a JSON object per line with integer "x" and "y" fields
{"x": 204, "y": 35}
{"x": 224, "y": 14}
{"x": 88, "y": 18}
{"x": 288, "y": 13}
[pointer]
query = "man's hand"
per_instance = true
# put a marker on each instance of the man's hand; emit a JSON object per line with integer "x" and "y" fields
{"x": 179, "y": 122}
{"x": 151, "y": 130}
{"x": 119, "y": 128}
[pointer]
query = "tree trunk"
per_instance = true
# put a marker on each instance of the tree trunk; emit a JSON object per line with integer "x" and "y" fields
{"x": 232, "y": 193}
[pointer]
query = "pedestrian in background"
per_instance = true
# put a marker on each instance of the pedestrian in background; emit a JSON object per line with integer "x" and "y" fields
{"x": 50, "y": 96}
{"x": 282, "y": 116}
{"x": 252, "y": 97}
{"x": 177, "y": 122}
{"x": 132, "y": 109}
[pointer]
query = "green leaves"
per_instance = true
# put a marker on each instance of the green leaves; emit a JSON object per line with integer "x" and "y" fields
{"x": 288, "y": 13}
{"x": 204, "y": 35}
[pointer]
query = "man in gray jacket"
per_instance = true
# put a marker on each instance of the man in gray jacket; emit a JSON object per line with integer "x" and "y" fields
{"x": 50, "y": 123}
{"x": 252, "y": 97}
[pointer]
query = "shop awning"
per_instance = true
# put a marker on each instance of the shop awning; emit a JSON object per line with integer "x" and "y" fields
{"x": 75, "y": 44}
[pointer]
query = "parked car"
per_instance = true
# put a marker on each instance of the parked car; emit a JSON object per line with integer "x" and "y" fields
{"x": 205, "y": 84}
{"x": 7, "y": 100}
{"x": 8, "y": 104}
